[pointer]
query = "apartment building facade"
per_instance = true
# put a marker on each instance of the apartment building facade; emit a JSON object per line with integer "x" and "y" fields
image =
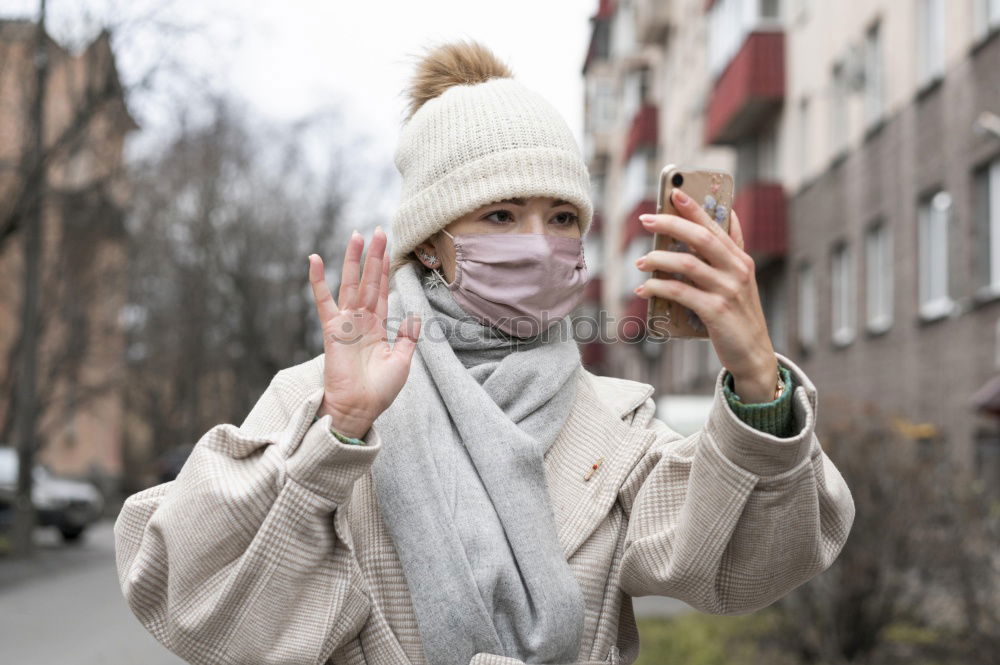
{"x": 84, "y": 252}
{"x": 868, "y": 186}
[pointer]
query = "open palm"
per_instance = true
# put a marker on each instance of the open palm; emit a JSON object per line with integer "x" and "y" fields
{"x": 362, "y": 373}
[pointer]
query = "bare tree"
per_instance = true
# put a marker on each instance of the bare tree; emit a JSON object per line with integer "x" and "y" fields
{"x": 921, "y": 556}
{"x": 63, "y": 190}
{"x": 223, "y": 221}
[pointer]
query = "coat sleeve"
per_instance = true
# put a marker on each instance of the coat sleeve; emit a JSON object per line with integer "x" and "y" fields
{"x": 730, "y": 519}
{"x": 246, "y": 555}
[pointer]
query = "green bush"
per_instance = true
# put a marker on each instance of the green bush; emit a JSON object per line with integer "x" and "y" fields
{"x": 693, "y": 638}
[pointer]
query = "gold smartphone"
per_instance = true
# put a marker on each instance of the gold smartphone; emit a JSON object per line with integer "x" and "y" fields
{"x": 713, "y": 190}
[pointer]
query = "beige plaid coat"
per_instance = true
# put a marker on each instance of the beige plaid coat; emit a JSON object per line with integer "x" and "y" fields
{"x": 269, "y": 546}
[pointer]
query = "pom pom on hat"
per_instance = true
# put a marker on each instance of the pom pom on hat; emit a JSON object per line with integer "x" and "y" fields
{"x": 452, "y": 64}
{"x": 473, "y": 136}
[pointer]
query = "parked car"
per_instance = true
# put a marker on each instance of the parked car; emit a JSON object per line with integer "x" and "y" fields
{"x": 68, "y": 505}
{"x": 170, "y": 463}
{"x": 684, "y": 413}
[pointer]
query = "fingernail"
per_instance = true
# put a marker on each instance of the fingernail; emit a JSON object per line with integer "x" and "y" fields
{"x": 639, "y": 290}
{"x": 641, "y": 261}
{"x": 681, "y": 197}
{"x": 355, "y": 233}
{"x": 645, "y": 219}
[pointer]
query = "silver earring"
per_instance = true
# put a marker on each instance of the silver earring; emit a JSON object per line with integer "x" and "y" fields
{"x": 430, "y": 259}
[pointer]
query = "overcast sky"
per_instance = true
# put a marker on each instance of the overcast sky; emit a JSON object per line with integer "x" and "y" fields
{"x": 291, "y": 58}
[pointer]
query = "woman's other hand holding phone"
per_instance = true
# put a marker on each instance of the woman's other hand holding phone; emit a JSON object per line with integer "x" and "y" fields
{"x": 724, "y": 294}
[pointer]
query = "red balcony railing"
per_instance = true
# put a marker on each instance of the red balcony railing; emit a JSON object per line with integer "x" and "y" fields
{"x": 633, "y": 227}
{"x": 596, "y": 223}
{"x": 592, "y": 290}
{"x": 750, "y": 89}
{"x": 763, "y": 213}
{"x": 632, "y": 325}
{"x": 643, "y": 131}
{"x": 592, "y": 354}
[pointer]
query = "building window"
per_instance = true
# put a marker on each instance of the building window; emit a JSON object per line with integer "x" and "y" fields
{"x": 988, "y": 456}
{"x": 686, "y": 369}
{"x": 639, "y": 179}
{"x": 635, "y": 93}
{"x": 930, "y": 40}
{"x": 632, "y": 276}
{"x": 878, "y": 277}
{"x": 804, "y": 9}
{"x": 775, "y": 307}
{"x": 770, "y": 9}
{"x": 623, "y": 30}
{"x": 803, "y": 139}
{"x": 838, "y": 109}
{"x": 602, "y": 103}
{"x": 874, "y": 79}
{"x": 842, "y": 294}
{"x": 996, "y": 344}
{"x": 987, "y": 215}
{"x": 768, "y": 168}
{"x": 757, "y": 159}
{"x": 714, "y": 364}
{"x": 598, "y": 186}
{"x": 934, "y": 213}
{"x": 807, "y": 307}
{"x": 985, "y": 17}
{"x": 593, "y": 251}
{"x": 729, "y": 23}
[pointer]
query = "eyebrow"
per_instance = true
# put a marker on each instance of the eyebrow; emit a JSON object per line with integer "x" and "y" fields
{"x": 520, "y": 202}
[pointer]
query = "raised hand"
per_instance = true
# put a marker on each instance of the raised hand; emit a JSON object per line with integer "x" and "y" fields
{"x": 362, "y": 373}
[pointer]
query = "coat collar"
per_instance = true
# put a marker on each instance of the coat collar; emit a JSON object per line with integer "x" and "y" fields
{"x": 595, "y": 429}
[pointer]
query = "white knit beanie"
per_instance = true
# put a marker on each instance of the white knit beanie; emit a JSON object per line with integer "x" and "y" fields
{"x": 476, "y": 144}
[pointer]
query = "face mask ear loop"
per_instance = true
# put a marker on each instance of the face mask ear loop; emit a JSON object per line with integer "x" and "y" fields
{"x": 437, "y": 273}
{"x": 437, "y": 276}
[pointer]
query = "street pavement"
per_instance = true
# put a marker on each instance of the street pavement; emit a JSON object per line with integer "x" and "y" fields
{"x": 64, "y": 606}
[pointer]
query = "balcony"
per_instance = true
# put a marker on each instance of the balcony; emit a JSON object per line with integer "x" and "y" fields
{"x": 597, "y": 220}
{"x": 633, "y": 228}
{"x": 749, "y": 90}
{"x": 592, "y": 290}
{"x": 592, "y": 355}
{"x": 653, "y": 19}
{"x": 600, "y": 34}
{"x": 632, "y": 325}
{"x": 763, "y": 214}
{"x": 643, "y": 131}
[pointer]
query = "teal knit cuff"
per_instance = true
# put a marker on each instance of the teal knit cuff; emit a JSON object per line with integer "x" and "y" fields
{"x": 773, "y": 417}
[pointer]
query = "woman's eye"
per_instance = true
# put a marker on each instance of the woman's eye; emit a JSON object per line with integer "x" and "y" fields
{"x": 565, "y": 218}
{"x": 499, "y": 212}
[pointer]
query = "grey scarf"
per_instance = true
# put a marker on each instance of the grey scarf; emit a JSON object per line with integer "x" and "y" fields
{"x": 461, "y": 483}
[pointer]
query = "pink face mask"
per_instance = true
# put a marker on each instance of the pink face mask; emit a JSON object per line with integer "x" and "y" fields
{"x": 521, "y": 283}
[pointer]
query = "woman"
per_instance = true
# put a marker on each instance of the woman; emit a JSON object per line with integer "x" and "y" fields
{"x": 446, "y": 483}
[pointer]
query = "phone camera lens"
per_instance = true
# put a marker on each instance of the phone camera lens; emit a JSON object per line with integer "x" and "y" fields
{"x": 677, "y": 180}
